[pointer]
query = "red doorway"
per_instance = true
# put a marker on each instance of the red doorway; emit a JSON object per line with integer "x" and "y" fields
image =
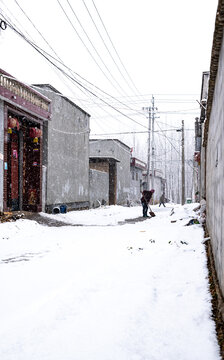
{"x": 31, "y": 172}
{"x": 23, "y": 168}
{"x": 13, "y": 171}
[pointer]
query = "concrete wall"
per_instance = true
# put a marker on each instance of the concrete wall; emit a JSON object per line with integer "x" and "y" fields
{"x": 66, "y": 153}
{"x": 127, "y": 188}
{"x": 98, "y": 187}
{"x": 215, "y": 173}
{"x": 1, "y": 153}
{"x": 117, "y": 150}
{"x": 135, "y": 185}
{"x": 158, "y": 186}
{"x": 202, "y": 172}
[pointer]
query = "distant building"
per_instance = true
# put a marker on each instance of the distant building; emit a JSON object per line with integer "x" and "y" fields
{"x": 112, "y": 157}
{"x": 159, "y": 184}
{"x": 66, "y": 153}
{"x": 199, "y": 155}
{"x": 24, "y": 113}
{"x": 102, "y": 180}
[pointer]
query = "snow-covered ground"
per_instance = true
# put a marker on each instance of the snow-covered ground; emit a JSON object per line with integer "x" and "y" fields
{"x": 106, "y": 291}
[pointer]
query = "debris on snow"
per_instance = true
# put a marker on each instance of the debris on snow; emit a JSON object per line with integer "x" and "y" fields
{"x": 10, "y": 216}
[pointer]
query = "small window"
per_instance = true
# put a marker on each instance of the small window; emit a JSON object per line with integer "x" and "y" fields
{"x": 136, "y": 176}
{"x": 133, "y": 175}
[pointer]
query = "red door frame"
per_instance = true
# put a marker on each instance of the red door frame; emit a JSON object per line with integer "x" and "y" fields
{"x": 35, "y": 122}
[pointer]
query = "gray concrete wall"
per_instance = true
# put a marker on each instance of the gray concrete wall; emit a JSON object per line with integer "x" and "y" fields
{"x": 202, "y": 173}
{"x": 98, "y": 188}
{"x": 66, "y": 154}
{"x": 215, "y": 173}
{"x": 158, "y": 187}
{"x": 115, "y": 149}
{"x": 1, "y": 153}
{"x": 135, "y": 185}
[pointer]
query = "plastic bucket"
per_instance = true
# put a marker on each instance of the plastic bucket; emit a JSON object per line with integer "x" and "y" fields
{"x": 56, "y": 210}
{"x": 63, "y": 209}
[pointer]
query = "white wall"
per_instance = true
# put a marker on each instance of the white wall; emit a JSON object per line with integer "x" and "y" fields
{"x": 215, "y": 173}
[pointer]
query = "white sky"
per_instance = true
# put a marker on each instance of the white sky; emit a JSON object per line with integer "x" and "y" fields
{"x": 164, "y": 45}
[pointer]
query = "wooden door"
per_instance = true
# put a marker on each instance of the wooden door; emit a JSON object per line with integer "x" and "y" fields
{"x": 112, "y": 184}
{"x": 13, "y": 172}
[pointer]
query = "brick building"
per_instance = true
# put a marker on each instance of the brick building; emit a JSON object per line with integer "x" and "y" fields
{"x": 23, "y": 113}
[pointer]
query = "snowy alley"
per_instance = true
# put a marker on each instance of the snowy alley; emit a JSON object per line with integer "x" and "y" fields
{"x": 106, "y": 289}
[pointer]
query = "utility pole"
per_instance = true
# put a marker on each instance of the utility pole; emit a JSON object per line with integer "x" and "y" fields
{"x": 165, "y": 168}
{"x": 183, "y": 166}
{"x": 151, "y": 152}
{"x": 153, "y": 142}
{"x": 149, "y": 145}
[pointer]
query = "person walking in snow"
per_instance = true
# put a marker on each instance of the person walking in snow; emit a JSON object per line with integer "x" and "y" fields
{"x": 145, "y": 199}
{"x": 162, "y": 200}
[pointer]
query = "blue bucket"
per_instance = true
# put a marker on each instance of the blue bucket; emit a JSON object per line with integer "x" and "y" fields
{"x": 63, "y": 209}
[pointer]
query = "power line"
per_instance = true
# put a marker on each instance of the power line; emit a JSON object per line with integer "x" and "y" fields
{"x": 48, "y": 45}
{"x": 130, "y": 132}
{"x": 51, "y": 46}
{"x": 86, "y": 47}
{"x": 99, "y": 33}
{"x": 41, "y": 52}
{"x": 174, "y": 147}
{"x": 114, "y": 46}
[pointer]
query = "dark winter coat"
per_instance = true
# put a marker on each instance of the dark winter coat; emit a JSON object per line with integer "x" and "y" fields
{"x": 146, "y": 196}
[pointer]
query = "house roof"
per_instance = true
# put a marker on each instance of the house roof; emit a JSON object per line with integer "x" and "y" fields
{"x": 216, "y": 46}
{"x": 54, "y": 90}
{"x": 24, "y": 97}
{"x": 138, "y": 163}
{"x": 109, "y": 158}
{"x": 107, "y": 140}
{"x": 7, "y": 75}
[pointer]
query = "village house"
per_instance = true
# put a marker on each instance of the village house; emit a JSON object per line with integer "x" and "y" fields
{"x": 109, "y": 172}
{"x": 65, "y": 154}
{"x": 199, "y": 155}
{"x": 159, "y": 185}
{"x": 24, "y": 113}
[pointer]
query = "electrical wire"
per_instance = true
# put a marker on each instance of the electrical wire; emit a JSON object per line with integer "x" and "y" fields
{"x": 99, "y": 33}
{"x": 48, "y": 44}
{"x": 53, "y": 49}
{"x": 94, "y": 94}
{"x": 43, "y": 53}
{"x": 114, "y": 46}
{"x": 89, "y": 52}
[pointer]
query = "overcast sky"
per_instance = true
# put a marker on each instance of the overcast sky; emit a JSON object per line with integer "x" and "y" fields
{"x": 128, "y": 49}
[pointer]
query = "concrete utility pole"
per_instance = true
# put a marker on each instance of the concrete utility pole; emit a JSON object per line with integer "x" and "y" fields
{"x": 153, "y": 141}
{"x": 183, "y": 166}
{"x": 149, "y": 145}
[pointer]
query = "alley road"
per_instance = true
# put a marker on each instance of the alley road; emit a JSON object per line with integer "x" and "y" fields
{"x": 112, "y": 289}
